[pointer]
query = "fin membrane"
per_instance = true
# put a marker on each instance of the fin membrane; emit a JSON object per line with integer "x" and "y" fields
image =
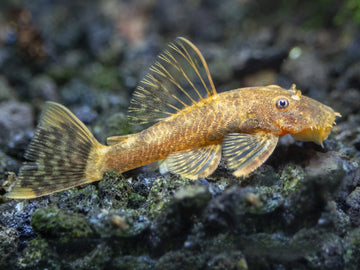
{"x": 58, "y": 155}
{"x": 245, "y": 152}
{"x": 117, "y": 139}
{"x": 194, "y": 163}
{"x": 178, "y": 79}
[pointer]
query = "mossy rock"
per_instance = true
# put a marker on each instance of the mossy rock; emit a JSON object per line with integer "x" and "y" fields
{"x": 38, "y": 255}
{"x": 162, "y": 191}
{"x": 352, "y": 249}
{"x": 114, "y": 190}
{"x": 53, "y": 222}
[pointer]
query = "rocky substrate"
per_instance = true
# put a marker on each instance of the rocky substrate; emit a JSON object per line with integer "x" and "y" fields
{"x": 300, "y": 210}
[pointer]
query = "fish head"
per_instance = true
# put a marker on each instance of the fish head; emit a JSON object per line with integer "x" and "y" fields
{"x": 302, "y": 117}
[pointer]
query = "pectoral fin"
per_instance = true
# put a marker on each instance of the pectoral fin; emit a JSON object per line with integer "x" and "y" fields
{"x": 194, "y": 163}
{"x": 245, "y": 152}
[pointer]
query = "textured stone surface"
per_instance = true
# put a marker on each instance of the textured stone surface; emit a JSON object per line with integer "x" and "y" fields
{"x": 299, "y": 210}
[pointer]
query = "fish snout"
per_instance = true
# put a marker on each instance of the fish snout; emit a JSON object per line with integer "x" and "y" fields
{"x": 318, "y": 125}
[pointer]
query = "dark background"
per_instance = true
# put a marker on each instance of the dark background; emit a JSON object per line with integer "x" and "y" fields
{"x": 90, "y": 55}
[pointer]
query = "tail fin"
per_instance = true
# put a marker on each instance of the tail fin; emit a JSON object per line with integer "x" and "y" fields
{"x": 62, "y": 154}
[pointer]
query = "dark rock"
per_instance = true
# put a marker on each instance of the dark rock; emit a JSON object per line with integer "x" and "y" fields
{"x": 98, "y": 34}
{"x": 43, "y": 88}
{"x": 352, "y": 249}
{"x": 85, "y": 114}
{"x": 308, "y": 72}
{"x": 297, "y": 211}
{"x": 9, "y": 239}
{"x": 112, "y": 54}
{"x": 239, "y": 209}
{"x": 320, "y": 180}
{"x": 249, "y": 60}
{"x": 202, "y": 24}
{"x": 7, "y": 164}
{"x": 136, "y": 200}
{"x": 71, "y": 29}
{"x": 124, "y": 230}
{"x": 350, "y": 79}
{"x": 114, "y": 191}
{"x": 16, "y": 126}
{"x": 67, "y": 67}
{"x": 80, "y": 200}
{"x": 55, "y": 223}
{"x": 348, "y": 135}
{"x": 228, "y": 260}
{"x": 350, "y": 54}
{"x": 178, "y": 217}
{"x": 219, "y": 252}
{"x": 15, "y": 216}
{"x": 100, "y": 76}
{"x": 353, "y": 202}
{"x": 38, "y": 254}
{"x": 112, "y": 219}
{"x": 178, "y": 260}
{"x": 142, "y": 262}
{"x": 6, "y": 92}
{"x": 262, "y": 77}
{"x": 135, "y": 59}
{"x": 226, "y": 210}
{"x": 98, "y": 258}
{"x": 162, "y": 192}
{"x": 319, "y": 249}
{"x": 326, "y": 168}
{"x": 349, "y": 101}
{"x": 266, "y": 250}
{"x": 5, "y": 54}
{"x": 335, "y": 217}
{"x": 78, "y": 93}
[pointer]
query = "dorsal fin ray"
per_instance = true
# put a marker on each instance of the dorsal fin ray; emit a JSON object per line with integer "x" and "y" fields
{"x": 178, "y": 79}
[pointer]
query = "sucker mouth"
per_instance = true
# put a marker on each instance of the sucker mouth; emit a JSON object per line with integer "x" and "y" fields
{"x": 317, "y": 134}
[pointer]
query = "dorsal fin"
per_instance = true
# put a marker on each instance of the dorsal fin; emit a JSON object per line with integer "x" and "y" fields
{"x": 179, "y": 78}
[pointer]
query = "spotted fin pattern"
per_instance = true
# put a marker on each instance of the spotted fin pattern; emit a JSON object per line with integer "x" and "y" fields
{"x": 178, "y": 79}
{"x": 58, "y": 155}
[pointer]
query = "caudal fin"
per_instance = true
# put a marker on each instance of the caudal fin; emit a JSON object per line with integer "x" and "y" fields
{"x": 62, "y": 154}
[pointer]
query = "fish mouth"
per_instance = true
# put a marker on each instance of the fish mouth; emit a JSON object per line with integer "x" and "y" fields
{"x": 313, "y": 134}
{"x": 318, "y": 133}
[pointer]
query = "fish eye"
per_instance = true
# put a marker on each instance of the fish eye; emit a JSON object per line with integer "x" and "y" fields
{"x": 282, "y": 104}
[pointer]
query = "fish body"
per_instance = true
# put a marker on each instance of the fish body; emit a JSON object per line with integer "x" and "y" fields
{"x": 192, "y": 128}
{"x": 243, "y": 110}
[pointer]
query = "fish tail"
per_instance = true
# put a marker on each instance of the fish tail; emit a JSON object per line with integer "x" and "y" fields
{"x": 62, "y": 154}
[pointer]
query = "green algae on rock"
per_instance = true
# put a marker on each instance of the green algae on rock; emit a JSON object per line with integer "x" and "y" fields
{"x": 352, "y": 249}
{"x": 115, "y": 191}
{"x": 161, "y": 192}
{"x": 298, "y": 211}
{"x": 38, "y": 254}
{"x": 55, "y": 223}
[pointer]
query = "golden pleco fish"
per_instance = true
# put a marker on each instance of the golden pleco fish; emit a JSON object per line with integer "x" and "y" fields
{"x": 193, "y": 127}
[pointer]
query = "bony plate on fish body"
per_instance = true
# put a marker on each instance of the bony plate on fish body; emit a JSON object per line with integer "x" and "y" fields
{"x": 191, "y": 128}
